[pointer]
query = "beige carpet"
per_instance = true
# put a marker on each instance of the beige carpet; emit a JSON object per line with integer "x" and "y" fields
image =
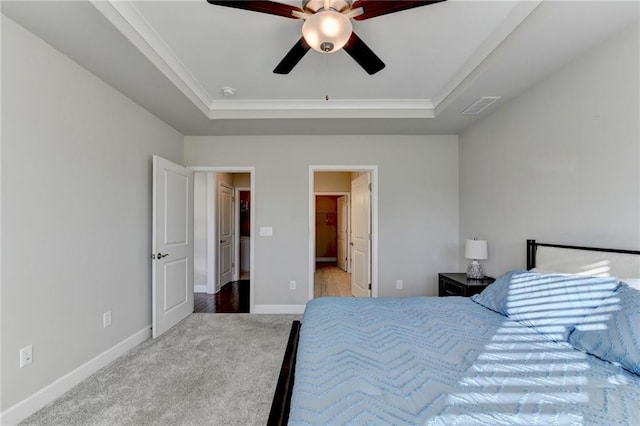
{"x": 211, "y": 369}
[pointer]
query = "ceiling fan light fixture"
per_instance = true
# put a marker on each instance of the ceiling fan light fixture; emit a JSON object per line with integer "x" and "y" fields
{"x": 327, "y": 31}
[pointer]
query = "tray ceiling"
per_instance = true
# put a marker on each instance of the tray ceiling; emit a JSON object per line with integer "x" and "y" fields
{"x": 440, "y": 58}
{"x": 211, "y": 47}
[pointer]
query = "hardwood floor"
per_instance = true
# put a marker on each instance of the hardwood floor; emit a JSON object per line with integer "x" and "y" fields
{"x": 233, "y": 297}
{"x": 329, "y": 280}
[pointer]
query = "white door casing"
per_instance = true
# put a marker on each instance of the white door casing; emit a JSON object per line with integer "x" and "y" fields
{"x": 225, "y": 234}
{"x": 372, "y": 170}
{"x": 172, "y": 244}
{"x": 214, "y": 241}
{"x": 360, "y": 236}
{"x": 343, "y": 229}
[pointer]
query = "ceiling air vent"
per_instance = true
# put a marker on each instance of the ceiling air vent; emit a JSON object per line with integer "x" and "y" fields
{"x": 478, "y": 106}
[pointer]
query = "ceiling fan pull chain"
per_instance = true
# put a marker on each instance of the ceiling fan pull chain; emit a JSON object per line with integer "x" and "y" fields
{"x": 326, "y": 71}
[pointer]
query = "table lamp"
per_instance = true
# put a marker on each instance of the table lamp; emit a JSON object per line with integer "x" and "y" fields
{"x": 476, "y": 250}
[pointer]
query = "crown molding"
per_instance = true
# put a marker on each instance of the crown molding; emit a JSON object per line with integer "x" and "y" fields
{"x": 129, "y": 21}
{"x": 480, "y": 60}
{"x": 320, "y": 108}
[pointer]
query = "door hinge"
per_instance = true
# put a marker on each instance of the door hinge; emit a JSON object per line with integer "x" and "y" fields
{"x": 369, "y": 286}
{"x": 370, "y": 187}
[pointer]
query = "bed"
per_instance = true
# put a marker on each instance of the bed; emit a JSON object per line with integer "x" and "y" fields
{"x": 556, "y": 343}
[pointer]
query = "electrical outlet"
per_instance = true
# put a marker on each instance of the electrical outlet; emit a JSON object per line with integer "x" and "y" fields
{"x": 26, "y": 356}
{"x": 398, "y": 284}
{"x": 106, "y": 319}
{"x": 292, "y": 285}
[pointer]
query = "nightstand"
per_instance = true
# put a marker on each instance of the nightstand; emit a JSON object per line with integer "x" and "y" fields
{"x": 457, "y": 284}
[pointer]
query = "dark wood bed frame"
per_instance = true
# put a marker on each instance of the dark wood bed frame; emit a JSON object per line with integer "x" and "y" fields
{"x": 281, "y": 404}
{"x": 279, "y": 414}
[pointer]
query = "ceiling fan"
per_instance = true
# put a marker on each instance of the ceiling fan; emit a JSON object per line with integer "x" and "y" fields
{"x": 327, "y": 26}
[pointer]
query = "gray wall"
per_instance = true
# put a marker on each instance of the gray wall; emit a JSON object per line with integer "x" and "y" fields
{"x": 418, "y": 204}
{"x": 560, "y": 163}
{"x": 76, "y": 212}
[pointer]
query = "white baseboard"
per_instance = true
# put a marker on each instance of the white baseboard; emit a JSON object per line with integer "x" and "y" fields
{"x": 198, "y": 288}
{"x": 326, "y": 259}
{"x": 278, "y": 309}
{"x": 28, "y": 406}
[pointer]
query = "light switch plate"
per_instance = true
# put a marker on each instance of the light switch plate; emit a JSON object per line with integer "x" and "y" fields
{"x": 266, "y": 231}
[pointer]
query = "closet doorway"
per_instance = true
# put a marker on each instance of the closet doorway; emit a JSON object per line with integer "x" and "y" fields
{"x": 343, "y": 248}
{"x": 332, "y": 276}
{"x": 223, "y": 240}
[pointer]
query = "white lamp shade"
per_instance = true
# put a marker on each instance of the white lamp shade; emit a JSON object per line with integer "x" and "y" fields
{"x": 327, "y": 31}
{"x": 476, "y": 249}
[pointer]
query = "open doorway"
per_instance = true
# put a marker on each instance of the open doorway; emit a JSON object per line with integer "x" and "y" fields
{"x": 332, "y": 276}
{"x": 343, "y": 231}
{"x": 223, "y": 240}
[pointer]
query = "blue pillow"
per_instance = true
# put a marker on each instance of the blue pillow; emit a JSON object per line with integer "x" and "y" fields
{"x": 612, "y": 331}
{"x": 495, "y": 295}
{"x": 553, "y": 304}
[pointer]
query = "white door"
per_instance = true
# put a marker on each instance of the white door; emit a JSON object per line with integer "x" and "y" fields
{"x": 343, "y": 238}
{"x": 225, "y": 234}
{"x": 360, "y": 236}
{"x": 172, "y": 245}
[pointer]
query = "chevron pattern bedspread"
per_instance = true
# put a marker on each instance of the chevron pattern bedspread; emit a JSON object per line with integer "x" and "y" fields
{"x": 447, "y": 361}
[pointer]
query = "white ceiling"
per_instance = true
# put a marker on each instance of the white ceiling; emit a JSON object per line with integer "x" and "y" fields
{"x": 174, "y": 57}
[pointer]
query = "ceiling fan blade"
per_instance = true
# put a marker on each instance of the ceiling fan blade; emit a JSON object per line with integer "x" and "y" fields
{"x": 292, "y": 57}
{"x": 360, "y": 52}
{"x": 270, "y": 7}
{"x": 373, "y": 8}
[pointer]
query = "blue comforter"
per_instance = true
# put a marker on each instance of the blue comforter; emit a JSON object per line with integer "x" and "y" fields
{"x": 447, "y": 361}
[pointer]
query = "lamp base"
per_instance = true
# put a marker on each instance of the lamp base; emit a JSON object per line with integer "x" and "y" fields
{"x": 475, "y": 271}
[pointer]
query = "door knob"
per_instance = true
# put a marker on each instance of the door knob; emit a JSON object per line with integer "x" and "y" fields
{"x": 160, "y": 255}
{"x": 223, "y": 241}
{"x": 350, "y": 244}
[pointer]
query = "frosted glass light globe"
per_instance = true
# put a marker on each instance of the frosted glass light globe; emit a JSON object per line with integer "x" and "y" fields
{"x": 327, "y": 31}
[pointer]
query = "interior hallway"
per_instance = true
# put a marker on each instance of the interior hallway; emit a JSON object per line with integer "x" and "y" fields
{"x": 329, "y": 280}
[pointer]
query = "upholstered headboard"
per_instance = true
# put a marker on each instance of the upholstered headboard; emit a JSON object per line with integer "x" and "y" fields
{"x": 583, "y": 260}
